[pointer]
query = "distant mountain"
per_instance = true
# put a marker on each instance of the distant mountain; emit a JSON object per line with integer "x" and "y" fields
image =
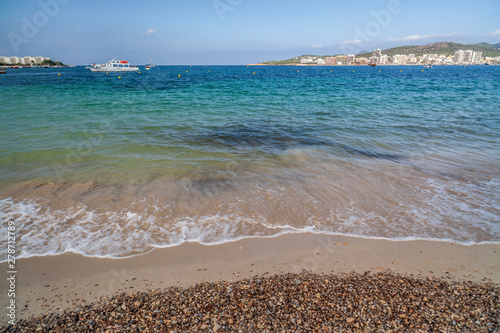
{"x": 496, "y": 46}
{"x": 447, "y": 48}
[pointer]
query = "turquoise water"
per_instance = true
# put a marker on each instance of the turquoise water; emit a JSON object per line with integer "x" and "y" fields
{"x": 108, "y": 166}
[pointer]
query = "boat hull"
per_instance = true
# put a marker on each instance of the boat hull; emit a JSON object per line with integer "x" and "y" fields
{"x": 114, "y": 66}
{"x": 131, "y": 69}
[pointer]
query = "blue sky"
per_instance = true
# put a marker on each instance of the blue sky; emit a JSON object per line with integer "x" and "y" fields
{"x": 201, "y": 32}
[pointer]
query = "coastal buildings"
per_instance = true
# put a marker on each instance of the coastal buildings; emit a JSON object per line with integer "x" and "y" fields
{"x": 430, "y": 58}
{"x": 329, "y": 61}
{"x": 308, "y": 61}
{"x": 24, "y": 61}
{"x": 399, "y": 59}
{"x": 476, "y": 57}
{"x": 465, "y": 57}
{"x": 376, "y": 57}
{"x": 340, "y": 60}
{"x": 461, "y": 57}
{"x": 362, "y": 61}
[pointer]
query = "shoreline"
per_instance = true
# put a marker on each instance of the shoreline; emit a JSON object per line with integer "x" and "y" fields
{"x": 249, "y": 238}
{"x": 52, "y": 284}
{"x": 366, "y": 65}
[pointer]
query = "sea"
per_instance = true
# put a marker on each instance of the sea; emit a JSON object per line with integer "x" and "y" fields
{"x": 114, "y": 165}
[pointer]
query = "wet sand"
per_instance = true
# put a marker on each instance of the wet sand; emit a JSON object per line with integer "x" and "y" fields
{"x": 55, "y": 283}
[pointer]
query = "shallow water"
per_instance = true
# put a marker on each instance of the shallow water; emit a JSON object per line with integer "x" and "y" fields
{"x": 111, "y": 167}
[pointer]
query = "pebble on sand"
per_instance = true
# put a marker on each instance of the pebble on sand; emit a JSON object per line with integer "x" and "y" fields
{"x": 291, "y": 303}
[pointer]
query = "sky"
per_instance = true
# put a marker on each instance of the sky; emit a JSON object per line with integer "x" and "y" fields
{"x": 232, "y": 32}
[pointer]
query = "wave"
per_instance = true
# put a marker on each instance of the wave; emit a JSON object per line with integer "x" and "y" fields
{"x": 128, "y": 232}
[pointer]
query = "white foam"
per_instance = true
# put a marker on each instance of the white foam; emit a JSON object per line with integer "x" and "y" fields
{"x": 450, "y": 211}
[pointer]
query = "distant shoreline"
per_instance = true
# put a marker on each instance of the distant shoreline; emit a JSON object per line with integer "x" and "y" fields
{"x": 19, "y": 67}
{"x": 366, "y": 65}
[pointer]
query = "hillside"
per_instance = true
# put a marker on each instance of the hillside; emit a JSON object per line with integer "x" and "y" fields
{"x": 447, "y": 48}
{"x": 294, "y": 61}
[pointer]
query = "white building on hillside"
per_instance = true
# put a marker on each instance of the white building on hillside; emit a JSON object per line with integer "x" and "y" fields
{"x": 459, "y": 57}
{"x": 29, "y": 60}
{"x": 39, "y": 60}
{"x": 476, "y": 57}
{"x": 351, "y": 58}
{"x": 26, "y": 61}
{"x": 468, "y": 56}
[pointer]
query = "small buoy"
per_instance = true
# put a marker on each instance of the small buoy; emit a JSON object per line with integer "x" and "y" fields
{"x": 119, "y": 77}
{"x": 354, "y": 71}
{"x": 187, "y": 71}
{"x": 59, "y": 74}
{"x": 209, "y": 70}
{"x": 379, "y": 71}
{"x": 298, "y": 71}
{"x": 330, "y": 71}
{"x": 179, "y": 75}
{"x": 139, "y": 72}
{"x": 422, "y": 70}
{"x": 401, "y": 70}
{"x": 254, "y": 72}
{"x": 107, "y": 73}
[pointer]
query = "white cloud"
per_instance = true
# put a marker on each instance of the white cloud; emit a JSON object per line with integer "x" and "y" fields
{"x": 356, "y": 41}
{"x": 419, "y": 37}
{"x": 317, "y": 46}
{"x": 496, "y": 32}
{"x": 407, "y": 38}
{"x": 151, "y": 31}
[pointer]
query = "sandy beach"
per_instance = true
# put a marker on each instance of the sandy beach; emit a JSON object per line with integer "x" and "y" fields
{"x": 56, "y": 283}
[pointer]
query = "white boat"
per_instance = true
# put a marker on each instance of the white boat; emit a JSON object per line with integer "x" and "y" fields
{"x": 149, "y": 66}
{"x": 428, "y": 66}
{"x": 114, "y": 66}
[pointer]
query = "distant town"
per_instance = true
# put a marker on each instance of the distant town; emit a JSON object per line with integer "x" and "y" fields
{"x": 440, "y": 53}
{"x": 461, "y": 57}
{"x": 29, "y": 61}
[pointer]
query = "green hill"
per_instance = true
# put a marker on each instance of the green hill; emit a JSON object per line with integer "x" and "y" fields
{"x": 293, "y": 61}
{"x": 446, "y": 48}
